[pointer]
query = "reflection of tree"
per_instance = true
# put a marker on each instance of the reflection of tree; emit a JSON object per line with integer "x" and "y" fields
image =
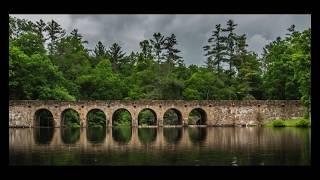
{"x": 172, "y": 135}
{"x": 147, "y": 135}
{"x": 96, "y": 135}
{"x": 197, "y": 135}
{"x": 121, "y": 134}
{"x": 70, "y": 135}
{"x": 43, "y": 135}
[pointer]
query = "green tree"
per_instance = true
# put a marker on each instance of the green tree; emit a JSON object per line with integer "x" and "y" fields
{"x": 116, "y": 56}
{"x": 215, "y": 52}
{"x": 55, "y": 32}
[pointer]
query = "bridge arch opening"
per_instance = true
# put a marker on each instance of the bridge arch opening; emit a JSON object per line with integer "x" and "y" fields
{"x": 147, "y": 117}
{"x": 197, "y": 117}
{"x": 172, "y": 117}
{"x": 121, "y": 117}
{"x": 96, "y": 118}
{"x": 70, "y": 118}
{"x": 43, "y": 118}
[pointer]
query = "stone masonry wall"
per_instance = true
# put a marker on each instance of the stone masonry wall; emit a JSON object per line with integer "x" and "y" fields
{"x": 219, "y": 113}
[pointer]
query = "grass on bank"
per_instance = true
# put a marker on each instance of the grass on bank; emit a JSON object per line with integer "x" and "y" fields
{"x": 289, "y": 123}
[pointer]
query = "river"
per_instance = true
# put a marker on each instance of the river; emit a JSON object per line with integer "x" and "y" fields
{"x": 190, "y": 146}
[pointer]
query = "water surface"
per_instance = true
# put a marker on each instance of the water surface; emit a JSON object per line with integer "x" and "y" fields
{"x": 194, "y": 146}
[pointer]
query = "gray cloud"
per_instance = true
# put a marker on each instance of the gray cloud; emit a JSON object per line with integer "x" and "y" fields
{"x": 192, "y": 31}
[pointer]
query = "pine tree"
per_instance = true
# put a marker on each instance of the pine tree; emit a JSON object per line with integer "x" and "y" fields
{"x": 216, "y": 51}
{"x": 171, "y": 53}
{"x": 116, "y": 55}
{"x": 55, "y": 32}
{"x": 230, "y": 43}
{"x": 158, "y": 45}
{"x": 146, "y": 49}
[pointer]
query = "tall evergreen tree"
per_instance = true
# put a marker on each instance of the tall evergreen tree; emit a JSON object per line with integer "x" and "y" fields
{"x": 158, "y": 45}
{"x": 146, "y": 49}
{"x": 55, "y": 32}
{"x": 116, "y": 55}
{"x": 230, "y": 43}
{"x": 171, "y": 54}
{"x": 215, "y": 49}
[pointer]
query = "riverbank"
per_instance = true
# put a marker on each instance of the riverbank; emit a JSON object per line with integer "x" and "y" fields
{"x": 289, "y": 123}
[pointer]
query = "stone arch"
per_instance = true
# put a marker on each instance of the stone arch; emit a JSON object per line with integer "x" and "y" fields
{"x": 62, "y": 123}
{"x": 115, "y": 115}
{"x": 47, "y": 121}
{"x": 200, "y": 117}
{"x": 178, "y": 116}
{"x": 94, "y": 110}
{"x": 153, "y": 113}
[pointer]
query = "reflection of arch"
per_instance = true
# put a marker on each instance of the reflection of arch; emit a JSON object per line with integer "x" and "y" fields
{"x": 96, "y": 135}
{"x": 200, "y": 117}
{"x": 122, "y": 135}
{"x": 153, "y": 122}
{"x": 172, "y": 135}
{"x": 116, "y": 114}
{"x": 93, "y": 113}
{"x": 43, "y": 135}
{"x": 43, "y": 118}
{"x": 197, "y": 135}
{"x": 63, "y": 114}
{"x": 70, "y": 135}
{"x": 147, "y": 135}
{"x": 167, "y": 120}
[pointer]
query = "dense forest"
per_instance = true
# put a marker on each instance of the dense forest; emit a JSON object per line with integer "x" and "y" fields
{"x": 47, "y": 63}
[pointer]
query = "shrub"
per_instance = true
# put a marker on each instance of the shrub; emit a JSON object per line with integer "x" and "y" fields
{"x": 302, "y": 123}
{"x": 278, "y": 123}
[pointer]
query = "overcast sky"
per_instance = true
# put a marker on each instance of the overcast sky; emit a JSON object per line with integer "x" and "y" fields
{"x": 192, "y": 31}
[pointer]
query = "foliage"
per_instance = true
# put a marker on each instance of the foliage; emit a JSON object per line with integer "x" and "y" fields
{"x": 303, "y": 123}
{"x": 278, "y": 123}
{"x": 46, "y": 63}
{"x": 289, "y": 123}
{"x": 146, "y": 117}
{"x": 71, "y": 119}
{"x": 96, "y": 118}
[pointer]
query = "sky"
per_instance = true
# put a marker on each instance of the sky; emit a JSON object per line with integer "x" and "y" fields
{"x": 192, "y": 30}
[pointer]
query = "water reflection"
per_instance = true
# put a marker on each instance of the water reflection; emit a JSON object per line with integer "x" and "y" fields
{"x": 96, "y": 135}
{"x": 70, "y": 135}
{"x": 197, "y": 135}
{"x": 43, "y": 135}
{"x": 166, "y": 146}
{"x": 147, "y": 135}
{"x": 122, "y": 135}
{"x": 172, "y": 135}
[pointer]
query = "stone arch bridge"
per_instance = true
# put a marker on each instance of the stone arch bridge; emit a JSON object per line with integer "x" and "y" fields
{"x": 22, "y": 113}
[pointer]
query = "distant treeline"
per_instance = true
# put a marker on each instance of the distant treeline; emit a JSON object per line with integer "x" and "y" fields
{"x": 47, "y": 63}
